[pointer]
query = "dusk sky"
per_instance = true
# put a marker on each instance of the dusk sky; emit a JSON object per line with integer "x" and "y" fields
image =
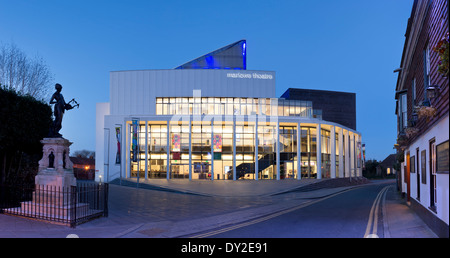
{"x": 338, "y": 45}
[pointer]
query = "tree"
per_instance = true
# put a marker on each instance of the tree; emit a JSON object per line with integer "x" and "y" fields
{"x": 26, "y": 76}
{"x": 370, "y": 168}
{"x": 84, "y": 154}
{"x": 24, "y": 121}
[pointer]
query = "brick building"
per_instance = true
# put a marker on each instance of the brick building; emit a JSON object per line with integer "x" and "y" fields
{"x": 423, "y": 113}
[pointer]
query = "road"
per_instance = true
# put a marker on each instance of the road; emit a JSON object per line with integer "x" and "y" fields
{"x": 354, "y": 213}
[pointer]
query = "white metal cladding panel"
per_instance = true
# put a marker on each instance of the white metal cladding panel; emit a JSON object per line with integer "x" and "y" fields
{"x": 134, "y": 92}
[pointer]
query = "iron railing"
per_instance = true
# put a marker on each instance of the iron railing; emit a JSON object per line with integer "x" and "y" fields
{"x": 71, "y": 205}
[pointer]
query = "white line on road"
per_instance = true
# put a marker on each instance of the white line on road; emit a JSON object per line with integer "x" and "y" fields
{"x": 372, "y": 224}
{"x": 266, "y": 217}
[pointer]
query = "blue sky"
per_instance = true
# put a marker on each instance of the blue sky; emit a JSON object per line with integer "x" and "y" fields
{"x": 340, "y": 45}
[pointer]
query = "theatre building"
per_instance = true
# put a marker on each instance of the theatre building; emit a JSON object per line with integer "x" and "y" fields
{"x": 212, "y": 119}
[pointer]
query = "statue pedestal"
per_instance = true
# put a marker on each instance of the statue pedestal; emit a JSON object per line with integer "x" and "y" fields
{"x": 55, "y": 193}
{"x": 55, "y": 167}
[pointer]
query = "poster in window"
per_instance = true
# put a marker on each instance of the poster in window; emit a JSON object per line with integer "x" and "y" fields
{"x": 118, "y": 138}
{"x": 176, "y": 142}
{"x": 442, "y": 158}
{"x": 358, "y": 154}
{"x": 134, "y": 141}
{"x": 217, "y": 143}
{"x": 423, "y": 165}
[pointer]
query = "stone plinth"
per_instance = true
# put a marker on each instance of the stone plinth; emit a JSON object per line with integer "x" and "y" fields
{"x": 55, "y": 167}
{"x": 55, "y": 195}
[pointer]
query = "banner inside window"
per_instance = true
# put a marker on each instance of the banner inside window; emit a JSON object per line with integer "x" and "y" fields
{"x": 217, "y": 143}
{"x": 118, "y": 137}
{"x": 135, "y": 148}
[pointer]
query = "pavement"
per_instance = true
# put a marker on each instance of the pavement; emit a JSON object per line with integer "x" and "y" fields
{"x": 180, "y": 209}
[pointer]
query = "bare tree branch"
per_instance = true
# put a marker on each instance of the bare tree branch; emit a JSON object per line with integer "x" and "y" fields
{"x": 26, "y": 76}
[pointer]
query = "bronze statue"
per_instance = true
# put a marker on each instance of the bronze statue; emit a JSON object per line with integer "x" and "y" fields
{"x": 58, "y": 111}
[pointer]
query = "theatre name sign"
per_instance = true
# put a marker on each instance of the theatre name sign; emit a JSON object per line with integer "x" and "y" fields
{"x": 263, "y": 76}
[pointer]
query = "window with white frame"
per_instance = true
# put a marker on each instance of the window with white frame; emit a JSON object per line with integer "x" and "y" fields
{"x": 403, "y": 111}
{"x": 427, "y": 67}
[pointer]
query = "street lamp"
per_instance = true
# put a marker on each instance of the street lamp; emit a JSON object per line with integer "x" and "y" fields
{"x": 433, "y": 91}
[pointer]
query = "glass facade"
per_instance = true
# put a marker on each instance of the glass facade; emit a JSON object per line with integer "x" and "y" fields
{"x": 245, "y": 150}
{"x": 205, "y": 150}
{"x": 267, "y": 136}
{"x": 326, "y": 153}
{"x": 235, "y": 106}
{"x": 179, "y": 151}
{"x": 223, "y": 151}
{"x": 308, "y": 152}
{"x": 237, "y": 150}
{"x": 201, "y": 151}
{"x": 288, "y": 151}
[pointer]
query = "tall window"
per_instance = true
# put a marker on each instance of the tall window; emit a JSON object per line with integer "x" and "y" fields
{"x": 157, "y": 150}
{"x": 267, "y": 151}
{"x": 288, "y": 151}
{"x": 308, "y": 152}
{"x": 426, "y": 64}
{"x": 433, "y": 188}
{"x": 402, "y": 111}
{"x": 245, "y": 151}
{"x": 326, "y": 153}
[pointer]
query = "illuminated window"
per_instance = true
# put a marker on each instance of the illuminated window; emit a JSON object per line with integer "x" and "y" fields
{"x": 233, "y": 106}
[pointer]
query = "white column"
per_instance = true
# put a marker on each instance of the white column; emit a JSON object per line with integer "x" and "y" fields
{"x": 333, "y": 151}
{"x": 362, "y": 157}
{"x": 212, "y": 149}
{"x": 352, "y": 155}
{"x": 347, "y": 155}
{"x": 190, "y": 148}
{"x": 146, "y": 149}
{"x": 278, "y": 150}
{"x": 341, "y": 153}
{"x": 299, "y": 157}
{"x": 168, "y": 151}
{"x": 256, "y": 149}
{"x": 234, "y": 148}
{"x": 319, "y": 152}
{"x": 127, "y": 150}
{"x": 358, "y": 169}
{"x": 106, "y": 135}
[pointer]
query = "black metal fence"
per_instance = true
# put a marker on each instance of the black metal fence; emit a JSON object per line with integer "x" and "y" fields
{"x": 71, "y": 205}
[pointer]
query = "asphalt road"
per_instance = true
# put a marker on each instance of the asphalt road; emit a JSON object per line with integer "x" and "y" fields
{"x": 351, "y": 214}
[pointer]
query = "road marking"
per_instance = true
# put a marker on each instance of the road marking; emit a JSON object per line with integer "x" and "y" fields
{"x": 373, "y": 215}
{"x": 264, "y": 218}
